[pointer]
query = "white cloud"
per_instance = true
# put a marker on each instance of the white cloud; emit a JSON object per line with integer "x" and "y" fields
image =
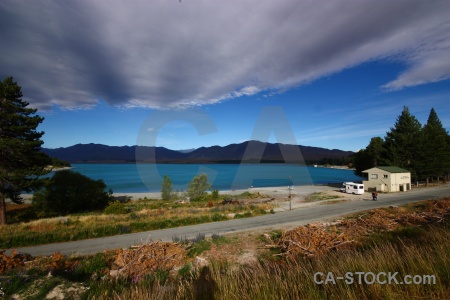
{"x": 427, "y": 66}
{"x": 166, "y": 54}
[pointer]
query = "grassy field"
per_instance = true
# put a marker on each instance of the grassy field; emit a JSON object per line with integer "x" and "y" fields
{"x": 26, "y": 229}
{"x": 423, "y": 253}
{"x": 320, "y": 196}
{"x": 420, "y": 250}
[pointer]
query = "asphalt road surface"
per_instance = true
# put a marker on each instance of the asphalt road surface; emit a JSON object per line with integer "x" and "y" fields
{"x": 299, "y": 216}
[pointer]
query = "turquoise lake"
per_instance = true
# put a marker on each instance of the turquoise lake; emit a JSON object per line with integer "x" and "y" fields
{"x": 138, "y": 178}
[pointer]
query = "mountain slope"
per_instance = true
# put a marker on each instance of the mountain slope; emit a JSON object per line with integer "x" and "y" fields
{"x": 251, "y": 151}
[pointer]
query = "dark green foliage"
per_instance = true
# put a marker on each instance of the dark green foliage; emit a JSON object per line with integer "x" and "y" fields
{"x": 403, "y": 141}
{"x": 21, "y": 215}
{"x": 434, "y": 149}
{"x": 70, "y": 192}
{"x": 166, "y": 188}
{"x": 370, "y": 157}
{"x": 56, "y": 162}
{"x": 21, "y": 159}
{"x": 423, "y": 151}
{"x": 375, "y": 151}
{"x": 333, "y": 161}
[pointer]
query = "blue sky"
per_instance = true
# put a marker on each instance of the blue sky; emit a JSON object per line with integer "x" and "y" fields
{"x": 339, "y": 73}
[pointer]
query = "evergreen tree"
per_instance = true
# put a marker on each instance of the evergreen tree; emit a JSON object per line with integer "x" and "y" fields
{"x": 21, "y": 159}
{"x": 166, "y": 188}
{"x": 402, "y": 142}
{"x": 375, "y": 151}
{"x": 369, "y": 157}
{"x": 434, "y": 151}
{"x": 361, "y": 162}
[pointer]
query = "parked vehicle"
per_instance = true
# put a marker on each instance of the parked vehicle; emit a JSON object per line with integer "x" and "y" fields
{"x": 352, "y": 188}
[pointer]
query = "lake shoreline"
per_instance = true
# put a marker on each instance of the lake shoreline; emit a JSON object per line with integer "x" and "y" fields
{"x": 273, "y": 191}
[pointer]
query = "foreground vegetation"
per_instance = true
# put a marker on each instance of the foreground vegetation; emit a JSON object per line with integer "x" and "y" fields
{"x": 419, "y": 252}
{"x": 122, "y": 217}
{"x": 420, "y": 248}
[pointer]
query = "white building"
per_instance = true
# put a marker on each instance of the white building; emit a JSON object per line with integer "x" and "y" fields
{"x": 387, "y": 179}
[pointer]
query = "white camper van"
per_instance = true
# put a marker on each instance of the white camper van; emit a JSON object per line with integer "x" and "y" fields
{"x": 352, "y": 188}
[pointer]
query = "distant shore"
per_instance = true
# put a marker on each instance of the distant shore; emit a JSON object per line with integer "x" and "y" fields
{"x": 275, "y": 191}
{"x": 332, "y": 167}
{"x": 55, "y": 169}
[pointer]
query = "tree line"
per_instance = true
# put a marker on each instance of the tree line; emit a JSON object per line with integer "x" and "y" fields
{"x": 423, "y": 150}
{"x": 23, "y": 164}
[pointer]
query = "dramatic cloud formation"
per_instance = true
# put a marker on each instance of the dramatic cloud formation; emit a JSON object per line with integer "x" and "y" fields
{"x": 164, "y": 54}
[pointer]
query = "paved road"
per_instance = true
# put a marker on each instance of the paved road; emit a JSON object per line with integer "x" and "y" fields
{"x": 298, "y": 216}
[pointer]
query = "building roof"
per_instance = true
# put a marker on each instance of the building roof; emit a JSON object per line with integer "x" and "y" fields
{"x": 389, "y": 169}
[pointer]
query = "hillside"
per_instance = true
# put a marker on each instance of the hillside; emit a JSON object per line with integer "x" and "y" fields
{"x": 251, "y": 151}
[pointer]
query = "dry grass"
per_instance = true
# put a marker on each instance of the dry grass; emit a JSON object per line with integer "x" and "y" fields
{"x": 320, "y": 196}
{"x": 294, "y": 279}
{"x": 141, "y": 215}
{"x": 418, "y": 245}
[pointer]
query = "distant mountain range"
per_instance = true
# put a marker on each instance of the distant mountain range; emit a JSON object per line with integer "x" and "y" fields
{"x": 249, "y": 152}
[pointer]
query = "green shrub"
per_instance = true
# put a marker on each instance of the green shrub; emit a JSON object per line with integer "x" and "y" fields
{"x": 216, "y": 217}
{"x": 71, "y": 192}
{"x": 198, "y": 186}
{"x": 199, "y": 248}
{"x": 115, "y": 208}
{"x": 239, "y": 216}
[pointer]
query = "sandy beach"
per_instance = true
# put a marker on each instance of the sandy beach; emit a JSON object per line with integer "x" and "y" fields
{"x": 279, "y": 195}
{"x": 277, "y": 192}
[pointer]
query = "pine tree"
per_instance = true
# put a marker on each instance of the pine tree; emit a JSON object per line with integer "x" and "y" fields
{"x": 375, "y": 151}
{"x": 402, "y": 142}
{"x": 434, "y": 152}
{"x": 369, "y": 157}
{"x": 21, "y": 159}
